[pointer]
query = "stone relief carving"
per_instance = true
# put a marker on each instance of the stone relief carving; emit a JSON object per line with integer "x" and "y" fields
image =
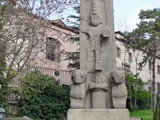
{"x": 99, "y": 87}
{"x": 96, "y": 37}
{"x": 119, "y": 90}
{"x": 97, "y": 33}
{"x": 99, "y": 82}
{"x": 90, "y": 59}
{"x": 78, "y": 90}
{"x": 95, "y": 19}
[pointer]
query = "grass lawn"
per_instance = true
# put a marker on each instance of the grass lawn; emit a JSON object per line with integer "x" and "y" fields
{"x": 145, "y": 114}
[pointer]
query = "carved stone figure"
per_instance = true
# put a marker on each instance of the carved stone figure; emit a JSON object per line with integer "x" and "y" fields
{"x": 96, "y": 37}
{"x": 119, "y": 90}
{"x": 78, "y": 90}
{"x": 97, "y": 58}
{"x": 98, "y": 87}
{"x": 90, "y": 54}
{"x": 102, "y": 86}
{"x": 97, "y": 32}
{"x": 95, "y": 19}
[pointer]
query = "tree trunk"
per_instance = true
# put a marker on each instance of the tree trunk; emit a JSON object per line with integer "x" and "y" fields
{"x": 130, "y": 96}
{"x": 154, "y": 99}
{"x": 136, "y": 88}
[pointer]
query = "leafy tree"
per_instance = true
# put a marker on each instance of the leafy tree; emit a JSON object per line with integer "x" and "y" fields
{"x": 157, "y": 111}
{"x": 26, "y": 22}
{"x": 75, "y": 21}
{"x": 143, "y": 99}
{"x": 135, "y": 84}
{"x": 42, "y": 98}
{"x": 136, "y": 57}
{"x": 74, "y": 56}
{"x": 22, "y": 29}
{"x": 146, "y": 37}
{"x": 130, "y": 80}
{"x": 3, "y": 82}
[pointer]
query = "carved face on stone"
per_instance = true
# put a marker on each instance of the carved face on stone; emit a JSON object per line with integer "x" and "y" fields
{"x": 79, "y": 76}
{"x": 117, "y": 77}
{"x": 95, "y": 20}
{"x": 100, "y": 78}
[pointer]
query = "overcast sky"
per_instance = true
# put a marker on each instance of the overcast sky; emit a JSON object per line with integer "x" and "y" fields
{"x": 126, "y": 12}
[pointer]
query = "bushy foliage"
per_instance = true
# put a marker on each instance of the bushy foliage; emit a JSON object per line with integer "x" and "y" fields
{"x": 4, "y": 90}
{"x": 146, "y": 37}
{"x": 42, "y": 98}
{"x": 3, "y": 82}
{"x": 143, "y": 97}
{"x": 157, "y": 110}
{"x": 74, "y": 20}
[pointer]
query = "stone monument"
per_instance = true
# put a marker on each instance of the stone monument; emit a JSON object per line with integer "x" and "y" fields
{"x": 98, "y": 91}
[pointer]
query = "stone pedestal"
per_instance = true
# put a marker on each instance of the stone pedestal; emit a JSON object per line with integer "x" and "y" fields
{"x": 98, "y": 114}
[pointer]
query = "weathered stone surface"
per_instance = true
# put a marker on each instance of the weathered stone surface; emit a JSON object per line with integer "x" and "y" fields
{"x": 136, "y": 118}
{"x": 97, "y": 51}
{"x": 99, "y": 86}
{"x": 119, "y": 90}
{"x": 98, "y": 114}
{"x": 78, "y": 89}
{"x": 24, "y": 118}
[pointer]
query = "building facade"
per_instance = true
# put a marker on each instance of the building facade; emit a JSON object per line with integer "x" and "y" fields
{"x": 129, "y": 59}
{"x": 51, "y": 57}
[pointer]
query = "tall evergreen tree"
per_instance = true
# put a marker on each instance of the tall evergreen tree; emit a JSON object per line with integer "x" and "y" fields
{"x": 147, "y": 37}
{"x": 74, "y": 20}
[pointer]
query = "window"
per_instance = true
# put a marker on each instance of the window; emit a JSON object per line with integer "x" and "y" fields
{"x": 158, "y": 69}
{"x": 130, "y": 57}
{"x": 158, "y": 86}
{"x": 149, "y": 66}
{"x": 126, "y": 67}
{"x": 118, "y": 52}
{"x": 53, "y": 49}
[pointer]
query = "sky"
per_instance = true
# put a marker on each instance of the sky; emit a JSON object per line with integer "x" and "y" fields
{"x": 126, "y": 12}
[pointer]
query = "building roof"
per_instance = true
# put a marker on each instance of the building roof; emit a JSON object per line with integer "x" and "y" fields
{"x": 58, "y": 22}
{"x": 61, "y": 24}
{"x": 119, "y": 36}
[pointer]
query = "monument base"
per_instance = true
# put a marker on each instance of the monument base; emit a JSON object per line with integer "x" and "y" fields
{"x": 98, "y": 114}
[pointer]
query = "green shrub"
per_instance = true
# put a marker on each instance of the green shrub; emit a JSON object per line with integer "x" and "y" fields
{"x": 3, "y": 94}
{"x": 143, "y": 99}
{"x": 138, "y": 97}
{"x": 42, "y": 98}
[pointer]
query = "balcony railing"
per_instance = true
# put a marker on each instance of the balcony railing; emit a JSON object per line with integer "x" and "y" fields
{"x": 63, "y": 76}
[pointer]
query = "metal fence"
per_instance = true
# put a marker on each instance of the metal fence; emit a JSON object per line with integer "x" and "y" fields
{"x": 63, "y": 76}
